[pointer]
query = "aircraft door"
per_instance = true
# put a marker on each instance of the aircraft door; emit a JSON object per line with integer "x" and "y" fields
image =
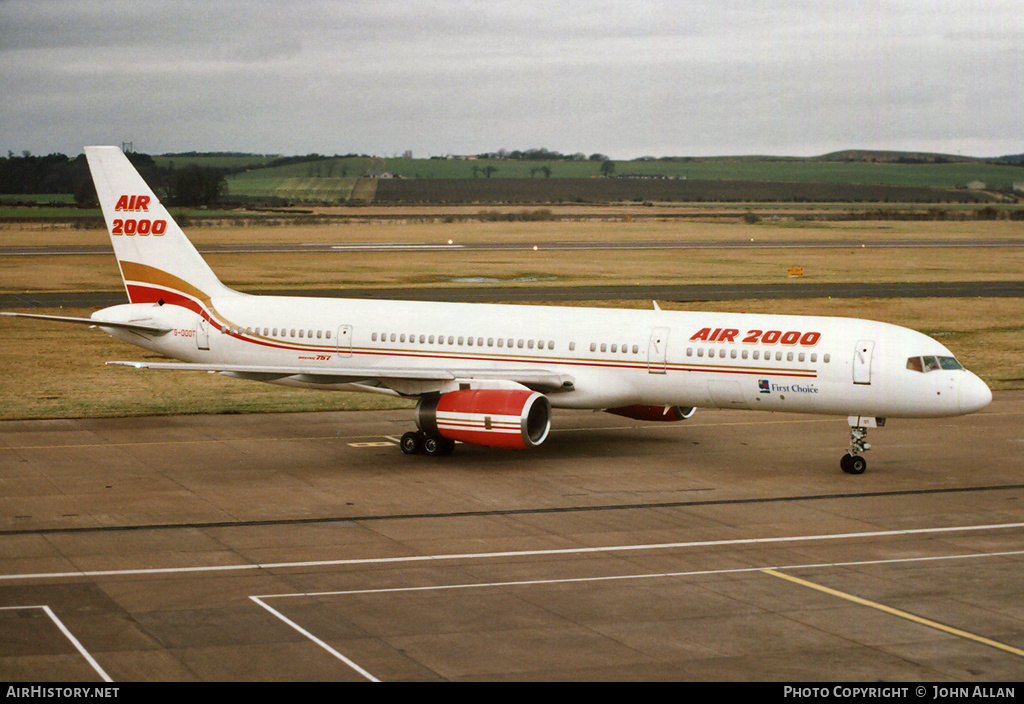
{"x": 657, "y": 351}
{"x": 862, "y": 362}
{"x": 345, "y": 341}
{"x": 202, "y": 333}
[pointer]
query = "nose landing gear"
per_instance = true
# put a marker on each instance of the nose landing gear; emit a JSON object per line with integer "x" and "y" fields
{"x": 852, "y": 462}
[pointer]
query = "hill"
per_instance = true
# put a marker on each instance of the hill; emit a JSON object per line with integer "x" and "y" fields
{"x": 544, "y": 176}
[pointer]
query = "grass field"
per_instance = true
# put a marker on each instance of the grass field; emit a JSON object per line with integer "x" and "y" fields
{"x": 633, "y": 267}
{"x": 57, "y": 371}
{"x": 951, "y": 175}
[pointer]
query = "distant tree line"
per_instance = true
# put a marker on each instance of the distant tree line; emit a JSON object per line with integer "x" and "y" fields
{"x": 54, "y": 173}
{"x": 192, "y": 186}
{"x": 540, "y": 155}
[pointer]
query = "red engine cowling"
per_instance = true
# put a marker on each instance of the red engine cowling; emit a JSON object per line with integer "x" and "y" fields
{"x": 662, "y": 413}
{"x": 489, "y": 417}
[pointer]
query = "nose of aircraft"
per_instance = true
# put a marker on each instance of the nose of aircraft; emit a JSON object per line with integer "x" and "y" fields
{"x": 973, "y": 394}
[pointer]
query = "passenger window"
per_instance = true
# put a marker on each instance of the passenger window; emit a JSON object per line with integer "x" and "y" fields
{"x": 826, "y": 358}
{"x": 757, "y": 354}
{"x": 593, "y": 347}
{"x": 572, "y": 346}
{"x": 302, "y": 333}
{"x": 519, "y": 344}
{"x": 490, "y": 342}
{"x": 700, "y": 351}
{"x": 604, "y": 347}
{"x": 814, "y": 356}
{"x": 328, "y": 336}
{"x": 470, "y": 341}
{"x": 636, "y": 349}
{"x": 615, "y": 348}
{"x": 319, "y": 334}
{"x": 462, "y": 340}
{"x": 529, "y": 344}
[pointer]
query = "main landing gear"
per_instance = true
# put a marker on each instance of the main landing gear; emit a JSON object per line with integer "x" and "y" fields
{"x": 417, "y": 442}
{"x": 852, "y": 462}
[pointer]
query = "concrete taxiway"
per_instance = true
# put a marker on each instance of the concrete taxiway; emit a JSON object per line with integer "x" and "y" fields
{"x": 308, "y": 547}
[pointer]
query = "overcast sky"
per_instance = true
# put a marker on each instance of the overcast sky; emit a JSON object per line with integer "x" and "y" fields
{"x": 626, "y": 79}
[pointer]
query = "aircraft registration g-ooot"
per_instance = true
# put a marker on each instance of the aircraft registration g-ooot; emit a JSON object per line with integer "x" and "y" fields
{"x": 490, "y": 374}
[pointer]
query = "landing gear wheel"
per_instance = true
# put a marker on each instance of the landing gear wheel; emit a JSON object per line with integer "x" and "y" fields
{"x": 435, "y": 446}
{"x": 853, "y": 464}
{"x": 411, "y": 443}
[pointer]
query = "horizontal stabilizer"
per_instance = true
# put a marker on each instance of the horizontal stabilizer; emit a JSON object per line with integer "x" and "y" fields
{"x": 135, "y": 327}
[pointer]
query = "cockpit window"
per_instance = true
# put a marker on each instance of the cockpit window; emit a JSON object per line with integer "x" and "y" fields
{"x": 932, "y": 363}
{"x": 949, "y": 363}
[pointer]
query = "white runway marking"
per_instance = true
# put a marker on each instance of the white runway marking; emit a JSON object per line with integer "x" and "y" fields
{"x": 322, "y": 644}
{"x": 510, "y": 553}
{"x": 67, "y": 634}
{"x": 774, "y": 571}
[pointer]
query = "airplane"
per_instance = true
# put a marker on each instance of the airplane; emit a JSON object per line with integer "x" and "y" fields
{"x": 490, "y": 375}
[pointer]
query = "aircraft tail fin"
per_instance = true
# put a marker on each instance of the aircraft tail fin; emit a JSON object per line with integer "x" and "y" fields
{"x": 158, "y": 263}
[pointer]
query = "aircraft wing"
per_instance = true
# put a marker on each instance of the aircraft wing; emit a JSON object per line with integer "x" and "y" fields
{"x": 121, "y": 325}
{"x": 538, "y": 379}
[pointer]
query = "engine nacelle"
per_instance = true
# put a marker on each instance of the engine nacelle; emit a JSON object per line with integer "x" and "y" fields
{"x": 509, "y": 418}
{"x": 661, "y": 413}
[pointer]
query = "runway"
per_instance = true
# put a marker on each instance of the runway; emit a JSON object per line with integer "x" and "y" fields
{"x": 308, "y": 547}
{"x": 538, "y": 294}
{"x": 556, "y": 245}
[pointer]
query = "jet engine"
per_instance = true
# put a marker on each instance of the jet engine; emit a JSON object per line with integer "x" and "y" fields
{"x": 510, "y": 418}
{"x": 660, "y": 413}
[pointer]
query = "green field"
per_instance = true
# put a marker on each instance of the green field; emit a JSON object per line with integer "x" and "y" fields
{"x": 952, "y": 175}
{"x": 337, "y": 179}
{"x": 333, "y": 179}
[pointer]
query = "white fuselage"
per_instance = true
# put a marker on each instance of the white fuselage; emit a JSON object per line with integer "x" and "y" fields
{"x": 613, "y": 357}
